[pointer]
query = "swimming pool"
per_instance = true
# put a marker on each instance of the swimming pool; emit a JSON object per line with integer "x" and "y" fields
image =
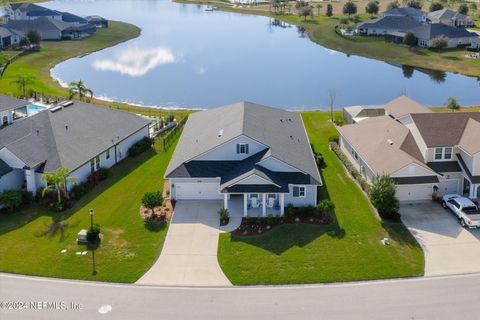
{"x": 34, "y": 108}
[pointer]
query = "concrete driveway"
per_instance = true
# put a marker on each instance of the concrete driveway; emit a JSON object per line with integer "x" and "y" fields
{"x": 449, "y": 248}
{"x": 189, "y": 255}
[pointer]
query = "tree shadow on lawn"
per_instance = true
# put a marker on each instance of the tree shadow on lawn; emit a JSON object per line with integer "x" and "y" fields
{"x": 15, "y": 220}
{"x": 400, "y": 234}
{"x": 284, "y": 237}
{"x": 155, "y": 226}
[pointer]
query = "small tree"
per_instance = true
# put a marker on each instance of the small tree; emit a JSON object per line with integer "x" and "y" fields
{"x": 382, "y": 195}
{"x": 393, "y": 5}
{"x": 34, "y": 37}
{"x": 439, "y": 43}
{"x": 349, "y": 8}
{"x": 151, "y": 200}
{"x": 57, "y": 181}
{"x": 473, "y": 6}
{"x": 410, "y": 39}
{"x": 79, "y": 88}
{"x": 372, "y": 8}
{"x": 318, "y": 6}
{"x": 24, "y": 42}
{"x": 436, "y": 6}
{"x": 452, "y": 104}
{"x": 329, "y": 10}
{"x": 326, "y": 207}
{"x": 305, "y": 12}
{"x": 414, "y": 4}
{"x": 463, "y": 9}
{"x": 10, "y": 199}
{"x": 22, "y": 82}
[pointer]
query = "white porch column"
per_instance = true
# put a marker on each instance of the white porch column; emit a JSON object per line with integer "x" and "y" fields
{"x": 264, "y": 204}
{"x": 225, "y": 200}
{"x": 31, "y": 183}
{"x": 473, "y": 189}
{"x": 245, "y": 204}
{"x": 282, "y": 203}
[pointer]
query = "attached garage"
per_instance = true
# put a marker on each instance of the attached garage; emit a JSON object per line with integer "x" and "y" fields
{"x": 448, "y": 186}
{"x": 408, "y": 192}
{"x": 197, "y": 190}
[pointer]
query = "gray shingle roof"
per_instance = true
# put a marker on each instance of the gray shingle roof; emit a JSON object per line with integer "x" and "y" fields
{"x": 447, "y": 14}
{"x": 42, "y": 24}
{"x": 405, "y": 11}
{"x": 69, "y": 17}
{"x": 69, "y": 137}
{"x": 9, "y": 103}
{"x": 281, "y": 131}
{"x": 472, "y": 178}
{"x": 433, "y": 30}
{"x": 391, "y": 22}
{"x": 444, "y": 166}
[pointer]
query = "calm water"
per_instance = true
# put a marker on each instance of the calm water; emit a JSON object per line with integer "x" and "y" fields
{"x": 189, "y": 57}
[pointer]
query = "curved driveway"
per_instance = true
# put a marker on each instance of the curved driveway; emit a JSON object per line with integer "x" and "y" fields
{"x": 455, "y": 297}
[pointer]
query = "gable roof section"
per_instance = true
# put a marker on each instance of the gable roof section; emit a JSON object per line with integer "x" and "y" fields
{"x": 403, "y": 106}
{"x": 69, "y": 17}
{"x": 405, "y": 11}
{"x": 42, "y": 24}
{"x": 4, "y": 168}
{"x": 432, "y": 30}
{"x": 9, "y": 103}
{"x": 281, "y": 131}
{"x": 470, "y": 140}
{"x": 384, "y": 144}
{"x": 69, "y": 137}
{"x": 447, "y": 14}
{"x": 443, "y": 129}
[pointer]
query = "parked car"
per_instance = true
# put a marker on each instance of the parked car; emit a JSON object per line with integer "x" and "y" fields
{"x": 467, "y": 212}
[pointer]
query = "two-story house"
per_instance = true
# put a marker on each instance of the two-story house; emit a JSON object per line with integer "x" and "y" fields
{"x": 255, "y": 156}
{"x": 425, "y": 153}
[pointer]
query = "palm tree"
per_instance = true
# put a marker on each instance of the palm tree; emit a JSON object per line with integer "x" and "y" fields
{"x": 22, "y": 82}
{"x": 78, "y": 88}
{"x": 57, "y": 181}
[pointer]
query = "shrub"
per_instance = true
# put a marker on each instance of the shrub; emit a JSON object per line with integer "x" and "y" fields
{"x": 94, "y": 178}
{"x": 93, "y": 233}
{"x": 103, "y": 172}
{"x": 349, "y": 8}
{"x": 409, "y": 39}
{"x": 151, "y": 200}
{"x": 349, "y": 166}
{"x": 140, "y": 146}
{"x": 329, "y": 12}
{"x": 382, "y": 196}
{"x": 10, "y": 199}
{"x": 439, "y": 42}
{"x": 79, "y": 190}
{"x": 27, "y": 197}
{"x": 335, "y": 138}
{"x": 319, "y": 159}
{"x": 224, "y": 214}
{"x": 289, "y": 211}
{"x": 325, "y": 207}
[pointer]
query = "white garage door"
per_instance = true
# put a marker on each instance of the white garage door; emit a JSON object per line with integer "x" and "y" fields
{"x": 447, "y": 186}
{"x": 186, "y": 191}
{"x": 414, "y": 192}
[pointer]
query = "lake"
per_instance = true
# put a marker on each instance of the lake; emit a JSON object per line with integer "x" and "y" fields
{"x": 189, "y": 57}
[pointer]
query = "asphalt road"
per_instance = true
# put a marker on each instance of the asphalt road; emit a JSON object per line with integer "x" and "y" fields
{"x": 455, "y": 297}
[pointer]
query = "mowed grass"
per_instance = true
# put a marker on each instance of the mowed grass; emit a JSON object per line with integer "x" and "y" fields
{"x": 348, "y": 249}
{"x": 31, "y": 240}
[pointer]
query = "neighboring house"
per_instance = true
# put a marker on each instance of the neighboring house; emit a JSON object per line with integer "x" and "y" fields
{"x": 356, "y": 114}
{"x": 30, "y": 11}
{"x": 52, "y": 29}
{"x": 98, "y": 21}
{"x": 80, "y": 136}
{"x": 8, "y": 37}
{"x": 450, "y": 18}
{"x": 413, "y": 13}
{"x": 388, "y": 25}
{"x": 255, "y": 157}
{"x": 455, "y": 36}
{"x": 7, "y": 106}
{"x": 418, "y": 152}
{"x": 74, "y": 19}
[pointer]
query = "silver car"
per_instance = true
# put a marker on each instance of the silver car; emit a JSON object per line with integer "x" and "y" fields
{"x": 465, "y": 209}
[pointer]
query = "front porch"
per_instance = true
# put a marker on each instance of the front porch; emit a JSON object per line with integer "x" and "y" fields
{"x": 254, "y": 204}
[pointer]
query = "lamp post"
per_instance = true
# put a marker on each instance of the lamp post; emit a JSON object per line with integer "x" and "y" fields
{"x": 94, "y": 271}
{"x": 92, "y": 212}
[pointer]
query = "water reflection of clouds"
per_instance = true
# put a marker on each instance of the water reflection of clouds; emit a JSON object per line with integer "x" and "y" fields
{"x": 135, "y": 61}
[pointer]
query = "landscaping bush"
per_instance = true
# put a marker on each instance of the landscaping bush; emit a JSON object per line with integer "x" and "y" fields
{"x": 335, "y": 138}
{"x": 94, "y": 178}
{"x": 93, "y": 234}
{"x": 79, "y": 190}
{"x": 382, "y": 196}
{"x": 325, "y": 207}
{"x": 10, "y": 199}
{"x": 27, "y": 197}
{"x": 103, "y": 172}
{"x": 224, "y": 216}
{"x": 151, "y": 200}
{"x": 140, "y": 147}
{"x": 349, "y": 166}
{"x": 319, "y": 159}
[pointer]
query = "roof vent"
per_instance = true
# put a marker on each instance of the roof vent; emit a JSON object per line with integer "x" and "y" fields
{"x": 55, "y": 109}
{"x": 289, "y": 119}
{"x": 390, "y": 142}
{"x": 291, "y": 137}
{"x": 220, "y": 133}
{"x": 281, "y": 120}
{"x": 66, "y": 127}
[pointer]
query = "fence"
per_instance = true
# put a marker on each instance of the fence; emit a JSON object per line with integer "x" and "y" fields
{"x": 170, "y": 137}
{"x": 12, "y": 59}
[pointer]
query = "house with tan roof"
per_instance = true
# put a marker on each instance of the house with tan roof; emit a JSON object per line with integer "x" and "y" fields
{"x": 424, "y": 152}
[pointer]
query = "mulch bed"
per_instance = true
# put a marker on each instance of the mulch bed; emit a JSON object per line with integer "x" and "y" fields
{"x": 256, "y": 226}
{"x": 160, "y": 213}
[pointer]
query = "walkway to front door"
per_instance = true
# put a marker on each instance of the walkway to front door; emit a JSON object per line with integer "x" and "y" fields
{"x": 189, "y": 255}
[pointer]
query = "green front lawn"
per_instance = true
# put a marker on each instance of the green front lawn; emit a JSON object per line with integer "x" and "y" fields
{"x": 349, "y": 249}
{"x": 31, "y": 240}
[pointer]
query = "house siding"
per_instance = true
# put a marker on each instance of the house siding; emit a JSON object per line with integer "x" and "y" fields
{"x": 358, "y": 163}
{"x": 228, "y": 150}
{"x": 310, "y": 198}
{"x": 12, "y": 180}
{"x": 275, "y": 165}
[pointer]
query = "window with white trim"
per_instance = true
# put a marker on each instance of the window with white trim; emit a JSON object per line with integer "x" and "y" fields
{"x": 299, "y": 191}
{"x": 443, "y": 153}
{"x": 242, "y": 148}
{"x": 107, "y": 154}
{"x": 438, "y": 153}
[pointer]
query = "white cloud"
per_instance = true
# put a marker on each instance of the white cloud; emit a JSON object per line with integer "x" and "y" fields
{"x": 200, "y": 70}
{"x": 136, "y": 62}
